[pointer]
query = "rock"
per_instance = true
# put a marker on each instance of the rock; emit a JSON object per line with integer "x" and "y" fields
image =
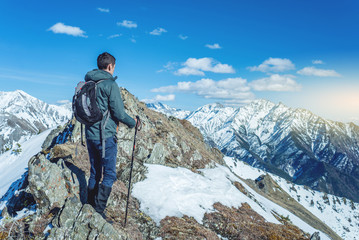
{"x": 60, "y": 135}
{"x": 315, "y": 236}
{"x": 49, "y": 139}
{"x": 51, "y": 183}
{"x": 77, "y": 221}
{"x": 185, "y": 228}
{"x": 158, "y": 155}
{"x": 245, "y": 223}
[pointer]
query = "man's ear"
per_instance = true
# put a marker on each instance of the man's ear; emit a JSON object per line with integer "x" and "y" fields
{"x": 111, "y": 67}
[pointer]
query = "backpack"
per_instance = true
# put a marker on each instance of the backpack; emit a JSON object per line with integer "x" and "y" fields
{"x": 84, "y": 104}
{"x": 86, "y": 110}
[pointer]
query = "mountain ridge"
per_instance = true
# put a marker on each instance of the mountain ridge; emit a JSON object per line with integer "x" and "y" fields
{"x": 293, "y": 143}
{"x": 22, "y": 116}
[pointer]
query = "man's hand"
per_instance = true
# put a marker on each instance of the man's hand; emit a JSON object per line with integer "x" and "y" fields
{"x": 138, "y": 122}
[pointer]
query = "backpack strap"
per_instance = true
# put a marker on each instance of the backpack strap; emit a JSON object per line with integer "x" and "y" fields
{"x": 104, "y": 121}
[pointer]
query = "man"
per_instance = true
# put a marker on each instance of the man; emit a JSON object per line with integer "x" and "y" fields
{"x": 108, "y": 98}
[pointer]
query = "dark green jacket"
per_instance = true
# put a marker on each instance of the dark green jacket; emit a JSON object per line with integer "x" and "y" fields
{"x": 108, "y": 97}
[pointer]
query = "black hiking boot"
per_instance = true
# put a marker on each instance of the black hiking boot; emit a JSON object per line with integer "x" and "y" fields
{"x": 101, "y": 199}
{"x": 107, "y": 218}
{"x": 91, "y": 195}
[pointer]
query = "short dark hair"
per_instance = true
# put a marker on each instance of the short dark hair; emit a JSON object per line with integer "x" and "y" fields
{"x": 104, "y": 59}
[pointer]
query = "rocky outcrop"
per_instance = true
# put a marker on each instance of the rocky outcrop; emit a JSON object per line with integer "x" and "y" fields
{"x": 77, "y": 221}
{"x": 244, "y": 223}
{"x": 185, "y": 228}
{"x": 51, "y": 183}
{"x": 268, "y": 188}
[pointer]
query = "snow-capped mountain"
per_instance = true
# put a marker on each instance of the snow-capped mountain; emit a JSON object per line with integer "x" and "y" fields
{"x": 292, "y": 143}
{"x": 167, "y": 110}
{"x": 22, "y": 116}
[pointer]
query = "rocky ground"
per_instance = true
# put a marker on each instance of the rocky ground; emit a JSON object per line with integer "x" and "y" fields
{"x": 57, "y": 180}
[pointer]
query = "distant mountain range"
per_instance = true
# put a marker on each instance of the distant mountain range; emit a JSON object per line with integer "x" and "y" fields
{"x": 292, "y": 143}
{"x": 22, "y": 116}
{"x": 167, "y": 110}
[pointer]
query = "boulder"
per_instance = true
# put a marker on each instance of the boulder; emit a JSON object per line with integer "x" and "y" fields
{"x": 77, "y": 221}
{"x": 51, "y": 183}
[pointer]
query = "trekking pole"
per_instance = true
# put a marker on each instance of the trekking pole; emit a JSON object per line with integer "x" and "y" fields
{"x": 133, "y": 152}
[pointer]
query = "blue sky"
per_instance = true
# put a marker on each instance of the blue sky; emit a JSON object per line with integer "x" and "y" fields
{"x": 189, "y": 53}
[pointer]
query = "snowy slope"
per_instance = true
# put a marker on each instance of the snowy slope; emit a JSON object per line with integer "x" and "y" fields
{"x": 167, "y": 110}
{"x": 338, "y": 213}
{"x": 178, "y": 191}
{"x": 22, "y": 116}
{"x": 12, "y": 167}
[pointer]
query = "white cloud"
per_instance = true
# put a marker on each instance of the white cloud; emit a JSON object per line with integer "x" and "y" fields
{"x": 276, "y": 82}
{"x": 69, "y": 30}
{"x": 194, "y": 66}
{"x": 169, "y": 97}
{"x": 168, "y": 67}
{"x": 312, "y": 71}
{"x": 114, "y": 36}
{"x": 63, "y": 102}
{"x": 158, "y": 31}
{"x": 213, "y": 46}
{"x": 127, "y": 24}
{"x": 230, "y": 88}
{"x": 183, "y": 37}
{"x": 133, "y": 40}
{"x": 106, "y": 10}
{"x": 160, "y": 98}
{"x": 274, "y": 65}
{"x": 317, "y": 61}
{"x": 189, "y": 71}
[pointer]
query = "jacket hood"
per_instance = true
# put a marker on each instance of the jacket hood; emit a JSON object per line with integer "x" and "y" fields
{"x": 97, "y": 75}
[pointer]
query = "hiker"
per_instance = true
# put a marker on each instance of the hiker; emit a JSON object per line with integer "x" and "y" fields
{"x": 103, "y": 133}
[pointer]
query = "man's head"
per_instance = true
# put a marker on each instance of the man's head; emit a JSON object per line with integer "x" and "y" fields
{"x": 106, "y": 62}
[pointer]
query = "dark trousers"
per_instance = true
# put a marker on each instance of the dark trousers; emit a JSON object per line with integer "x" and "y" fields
{"x": 102, "y": 166}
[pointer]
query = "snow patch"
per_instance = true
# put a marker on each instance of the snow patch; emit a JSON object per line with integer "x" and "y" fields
{"x": 178, "y": 191}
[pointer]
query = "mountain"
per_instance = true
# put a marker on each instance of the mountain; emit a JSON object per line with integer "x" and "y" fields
{"x": 167, "y": 110}
{"x": 293, "y": 143}
{"x": 22, "y": 116}
{"x": 182, "y": 189}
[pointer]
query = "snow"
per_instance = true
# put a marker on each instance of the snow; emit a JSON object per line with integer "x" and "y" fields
{"x": 12, "y": 166}
{"x": 178, "y": 191}
{"x": 25, "y": 212}
{"x": 48, "y": 229}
